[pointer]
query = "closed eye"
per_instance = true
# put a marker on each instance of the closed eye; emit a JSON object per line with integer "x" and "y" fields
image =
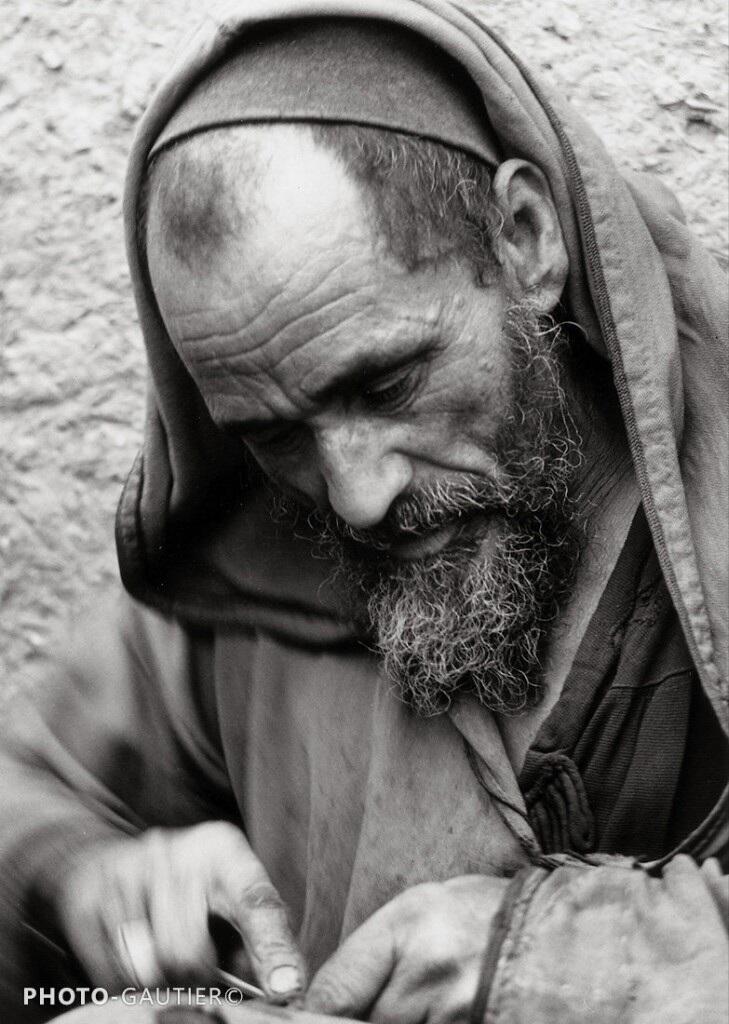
{"x": 392, "y": 390}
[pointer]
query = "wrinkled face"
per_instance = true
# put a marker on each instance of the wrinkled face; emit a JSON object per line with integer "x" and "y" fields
{"x": 357, "y": 384}
{"x": 351, "y": 380}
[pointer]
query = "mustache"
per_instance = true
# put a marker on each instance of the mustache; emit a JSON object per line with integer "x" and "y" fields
{"x": 535, "y": 454}
{"x": 428, "y": 508}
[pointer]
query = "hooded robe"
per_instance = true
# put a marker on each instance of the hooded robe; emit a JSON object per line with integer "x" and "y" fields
{"x": 226, "y": 685}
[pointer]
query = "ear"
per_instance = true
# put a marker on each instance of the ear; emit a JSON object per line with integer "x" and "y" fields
{"x": 530, "y": 248}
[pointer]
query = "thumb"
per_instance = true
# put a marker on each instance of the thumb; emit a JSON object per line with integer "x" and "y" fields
{"x": 243, "y": 895}
{"x": 353, "y": 977}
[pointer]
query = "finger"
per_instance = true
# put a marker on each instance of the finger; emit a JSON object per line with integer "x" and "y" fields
{"x": 126, "y": 919}
{"x": 103, "y": 896}
{"x": 239, "y": 963}
{"x": 88, "y": 936}
{"x": 685, "y": 884}
{"x": 178, "y": 914}
{"x": 271, "y": 947}
{"x": 351, "y": 981}
{"x": 718, "y": 884}
{"x": 243, "y": 894}
{"x": 137, "y": 953}
{"x": 230, "y": 952}
{"x": 179, "y": 918}
{"x": 403, "y": 1002}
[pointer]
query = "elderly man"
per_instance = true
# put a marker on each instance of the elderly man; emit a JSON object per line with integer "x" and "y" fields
{"x": 426, "y": 645}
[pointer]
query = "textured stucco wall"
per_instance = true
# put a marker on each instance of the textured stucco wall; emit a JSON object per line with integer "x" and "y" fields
{"x": 74, "y": 75}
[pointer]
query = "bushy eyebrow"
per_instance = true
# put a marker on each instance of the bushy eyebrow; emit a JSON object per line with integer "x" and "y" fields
{"x": 363, "y": 369}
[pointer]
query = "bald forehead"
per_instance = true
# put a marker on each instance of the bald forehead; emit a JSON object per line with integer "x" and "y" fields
{"x": 221, "y": 185}
{"x": 199, "y": 191}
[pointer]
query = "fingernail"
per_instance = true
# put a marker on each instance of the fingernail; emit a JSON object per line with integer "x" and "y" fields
{"x": 284, "y": 980}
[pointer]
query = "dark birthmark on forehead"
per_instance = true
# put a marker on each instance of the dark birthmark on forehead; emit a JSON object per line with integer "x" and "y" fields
{"x": 196, "y": 200}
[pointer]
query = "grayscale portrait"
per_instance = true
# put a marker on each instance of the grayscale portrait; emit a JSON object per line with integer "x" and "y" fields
{"x": 364, "y": 512}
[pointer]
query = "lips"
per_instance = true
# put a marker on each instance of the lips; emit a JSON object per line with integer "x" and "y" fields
{"x": 469, "y": 531}
{"x": 426, "y": 544}
{"x": 408, "y": 538}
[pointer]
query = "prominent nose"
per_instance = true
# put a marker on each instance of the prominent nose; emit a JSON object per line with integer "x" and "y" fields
{"x": 363, "y": 474}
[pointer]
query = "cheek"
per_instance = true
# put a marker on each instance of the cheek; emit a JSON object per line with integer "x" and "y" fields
{"x": 455, "y": 415}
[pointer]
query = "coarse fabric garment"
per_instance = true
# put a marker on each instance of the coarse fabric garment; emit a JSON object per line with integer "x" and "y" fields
{"x": 348, "y": 798}
{"x": 644, "y": 292}
{"x": 631, "y": 758}
{"x": 339, "y": 71}
{"x": 228, "y": 685}
{"x": 640, "y": 286}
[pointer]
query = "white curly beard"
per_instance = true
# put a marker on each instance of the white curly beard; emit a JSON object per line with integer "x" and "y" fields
{"x": 473, "y": 617}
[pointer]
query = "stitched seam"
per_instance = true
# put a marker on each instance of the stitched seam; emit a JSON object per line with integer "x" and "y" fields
{"x": 498, "y": 932}
{"x": 511, "y": 946}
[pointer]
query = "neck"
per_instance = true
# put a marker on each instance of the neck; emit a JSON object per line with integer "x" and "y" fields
{"x": 606, "y": 471}
{"x": 607, "y": 498}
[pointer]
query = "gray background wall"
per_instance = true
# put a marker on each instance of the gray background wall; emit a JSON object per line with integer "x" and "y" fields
{"x": 74, "y": 76}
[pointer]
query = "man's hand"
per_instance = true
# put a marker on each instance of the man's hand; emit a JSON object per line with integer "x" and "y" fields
{"x": 136, "y": 911}
{"x": 418, "y": 959}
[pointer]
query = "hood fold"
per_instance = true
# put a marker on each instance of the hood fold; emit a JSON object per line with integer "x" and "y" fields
{"x": 645, "y": 294}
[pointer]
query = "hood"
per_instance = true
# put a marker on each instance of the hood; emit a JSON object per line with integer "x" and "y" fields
{"x": 193, "y": 535}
